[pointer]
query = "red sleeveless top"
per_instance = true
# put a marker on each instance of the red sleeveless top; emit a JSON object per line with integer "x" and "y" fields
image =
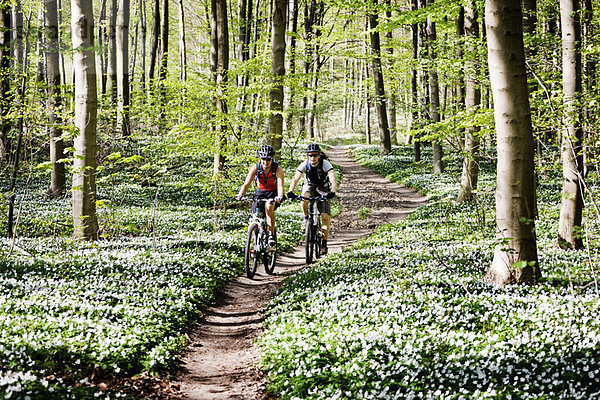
{"x": 267, "y": 180}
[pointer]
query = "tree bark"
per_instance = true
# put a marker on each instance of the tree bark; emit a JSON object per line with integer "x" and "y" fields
{"x": 154, "y": 43}
{"x": 414, "y": 121}
{"x": 571, "y": 206}
{"x": 57, "y": 177}
{"x": 164, "y": 56}
{"x": 123, "y": 68}
{"x": 434, "y": 90}
{"x": 277, "y": 74}
{"x": 17, "y": 44}
{"x": 102, "y": 51}
{"x": 111, "y": 70}
{"x": 380, "y": 99}
{"x": 85, "y": 222}
{"x": 515, "y": 256}
{"x": 221, "y": 59}
{"x": 182, "y": 44}
{"x": 470, "y": 170}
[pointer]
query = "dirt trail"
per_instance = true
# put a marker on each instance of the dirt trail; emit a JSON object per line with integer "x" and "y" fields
{"x": 221, "y": 362}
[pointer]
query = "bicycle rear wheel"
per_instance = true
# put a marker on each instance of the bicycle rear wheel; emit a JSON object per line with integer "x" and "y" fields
{"x": 270, "y": 257}
{"x": 308, "y": 241}
{"x": 252, "y": 253}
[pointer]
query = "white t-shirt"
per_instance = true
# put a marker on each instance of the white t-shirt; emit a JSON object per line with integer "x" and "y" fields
{"x": 326, "y": 166}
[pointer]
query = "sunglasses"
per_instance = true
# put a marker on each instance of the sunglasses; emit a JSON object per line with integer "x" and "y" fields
{"x": 266, "y": 159}
{"x": 313, "y": 155}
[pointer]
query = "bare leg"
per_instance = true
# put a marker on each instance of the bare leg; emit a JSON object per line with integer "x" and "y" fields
{"x": 325, "y": 225}
{"x": 270, "y": 211}
{"x": 305, "y": 203}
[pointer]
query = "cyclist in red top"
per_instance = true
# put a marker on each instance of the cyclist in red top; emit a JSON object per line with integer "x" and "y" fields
{"x": 269, "y": 177}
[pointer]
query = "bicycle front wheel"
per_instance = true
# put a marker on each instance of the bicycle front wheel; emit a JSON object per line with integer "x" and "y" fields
{"x": 308, "y": 241}
{"x": 270, "y": 258}
{"x": 252, "y": 253}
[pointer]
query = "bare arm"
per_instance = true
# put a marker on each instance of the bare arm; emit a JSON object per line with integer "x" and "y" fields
{"x": 280, "y": 179}
{"x": 295, "y": 181}
{"x": 248, "y": 181}
{"x": 331, "y": 176}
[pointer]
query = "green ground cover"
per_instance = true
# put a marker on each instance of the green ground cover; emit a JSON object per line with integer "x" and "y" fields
{"x": 73, "y": 313}
{"x": 403, "y": 314}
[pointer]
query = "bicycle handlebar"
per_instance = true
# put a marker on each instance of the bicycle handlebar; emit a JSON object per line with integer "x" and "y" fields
{"x": 314, "y": 198}
{"x": 248, "y": 199}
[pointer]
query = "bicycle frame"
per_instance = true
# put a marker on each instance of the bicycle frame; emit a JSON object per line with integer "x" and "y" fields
{"x": 256, "y": 243}
{"x": 313, "y": 232}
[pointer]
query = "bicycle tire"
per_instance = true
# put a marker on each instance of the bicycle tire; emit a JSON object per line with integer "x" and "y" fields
{"x": 308, "y": 242}
{"x": 317, "y": 241}
{"x": 250, "y": 260}
{"x": 270, "y": 258}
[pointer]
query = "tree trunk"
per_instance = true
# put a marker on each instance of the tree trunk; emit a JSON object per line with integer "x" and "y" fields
{"x": 291, "y": 67}
{"x": 392, "y": 94}
{"x": 380, "y": 99}
{"x": 221, "y": 59}
{"x": 144, "y": 28}
{"x": 470, "y": 170}
{"x": 57, "y": 177}
{"x": 571, "y": 206}
{"x": 17, "y": 44}
{"x": 515, "y": 257}
{"x": 413, "y": 84}
{"x": 434, "y": 90}
{"x": 102, "y": 51}
{"x": 277, "y": 75}
{"x": 111, "y": 72}
{"x": 85, "y": 222}
{"x": 154, "y": 44}
{"x": 164, "y": 53}
{"x": 182, "y": 45}
{"x": 123, "y": 68}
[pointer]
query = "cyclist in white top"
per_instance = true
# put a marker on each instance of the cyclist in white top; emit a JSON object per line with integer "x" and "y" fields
{"x": 320, "y": 179}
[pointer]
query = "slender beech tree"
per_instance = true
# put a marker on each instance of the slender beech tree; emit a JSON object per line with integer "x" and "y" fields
{"x": 434, "y": 90}
{"x": 571, "y": 206}
{"x": 85, "y": 222}
{"x": 414, "y": 121}
{"x": 470, "y": 170}
{"x": 111, "y": 67}
{"x": 393, "y": 122}
{"x": 143, "y": 27}
{"x": 379, "y": 98}
{"x": 182, "y": 44}
{"x": 277, "y": 73}
{"x": 123, "y": 68}
{"x": 220, "y": 56}
{"x": 515, "y": 256}
{"x": 54, "y": 102}
{"x": 17, "y": 40}
{"x": 154, "y": 40}
{"x": 164, "y": 57}
{"x": 101, "y": 40}
{"x": 5, "y": 77}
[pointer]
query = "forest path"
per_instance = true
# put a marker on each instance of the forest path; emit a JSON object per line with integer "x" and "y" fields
{"x": 221, "y": 361}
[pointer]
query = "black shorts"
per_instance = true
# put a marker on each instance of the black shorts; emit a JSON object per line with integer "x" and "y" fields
{"x": 324, "y": 206}
{"x": 263, "y": 195}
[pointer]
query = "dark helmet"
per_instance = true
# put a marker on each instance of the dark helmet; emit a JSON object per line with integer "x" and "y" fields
{"x": 266, "y": 151}
{"x": 313, "y": 148}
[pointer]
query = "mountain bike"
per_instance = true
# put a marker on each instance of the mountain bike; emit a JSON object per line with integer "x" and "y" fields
{"x": 257, "y": 250}
{"x": 312, "y": 233}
